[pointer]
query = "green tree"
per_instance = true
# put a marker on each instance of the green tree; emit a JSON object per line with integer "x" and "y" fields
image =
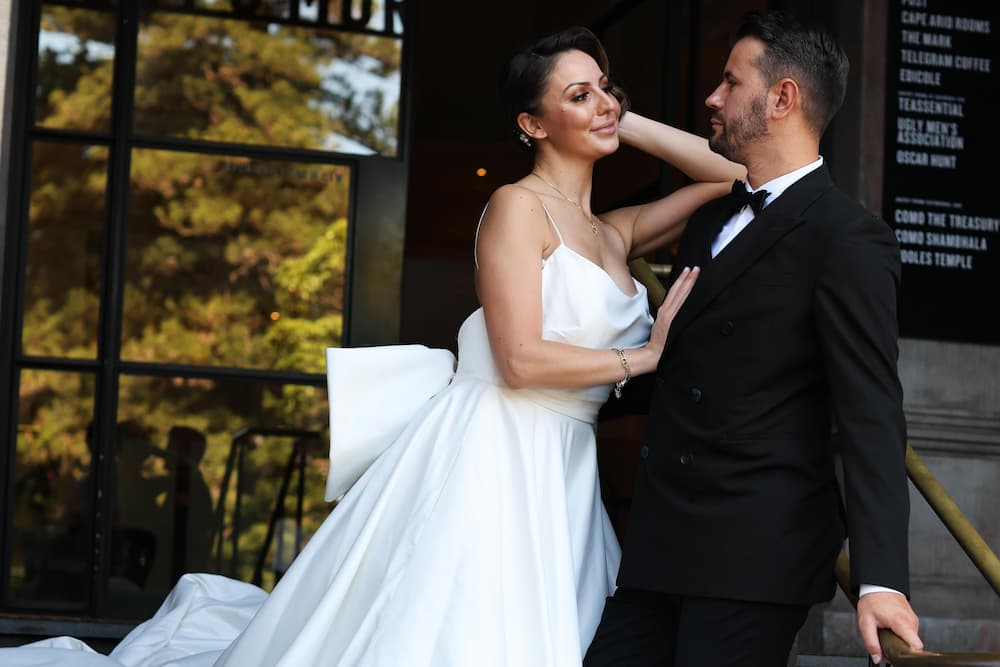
{"x": 229, "y": 261}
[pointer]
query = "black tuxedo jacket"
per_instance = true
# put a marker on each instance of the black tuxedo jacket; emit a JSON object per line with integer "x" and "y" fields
{"x": 791, "y": 325}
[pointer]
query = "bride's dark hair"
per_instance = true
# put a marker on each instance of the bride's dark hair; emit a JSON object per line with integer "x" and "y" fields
{"x": 528, "y": 72}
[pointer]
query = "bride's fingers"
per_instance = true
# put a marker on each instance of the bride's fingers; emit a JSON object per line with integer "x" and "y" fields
{"x": 679, "y": 291}
{"x": 687, "y": 284}
{"x": 672, "y": 294}
{"x": 671, "y": 304}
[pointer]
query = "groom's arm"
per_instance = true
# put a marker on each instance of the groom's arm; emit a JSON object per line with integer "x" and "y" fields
{"x": 855, "y": 312}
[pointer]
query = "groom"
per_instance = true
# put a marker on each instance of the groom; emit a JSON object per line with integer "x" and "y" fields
{"x": 737, "y": 516}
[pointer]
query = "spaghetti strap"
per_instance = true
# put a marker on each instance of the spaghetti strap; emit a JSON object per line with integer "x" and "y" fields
{"x": 553, "y": 222}
{"x": 475, "y": 241}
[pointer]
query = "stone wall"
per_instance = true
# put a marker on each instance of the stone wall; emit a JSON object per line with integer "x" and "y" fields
{"x": 951, "y": 398}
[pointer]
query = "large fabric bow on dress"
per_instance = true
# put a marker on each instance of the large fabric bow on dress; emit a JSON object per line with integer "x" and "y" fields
{"x": 374, "y": 392}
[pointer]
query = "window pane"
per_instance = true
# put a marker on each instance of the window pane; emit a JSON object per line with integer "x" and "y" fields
{"x": 256, "y": 83}
{"x": 234, "y": 262}
{"x": 383, "y": 16}
{"x": 75, "y": 68}
{"x": 53, "y": 493}
{"x": 176, "y": 437}
{"x": 63, "y": 267}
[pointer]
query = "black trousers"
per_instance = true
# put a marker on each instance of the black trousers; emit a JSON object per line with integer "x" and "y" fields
{"x": 647, "y": 629}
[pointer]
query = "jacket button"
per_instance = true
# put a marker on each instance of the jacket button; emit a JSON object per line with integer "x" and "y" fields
{"x": 687, "y": 459}
{"x": 644, "y": 451}
{"x": 696, "y": 394}
{"x": 727, "y": 328}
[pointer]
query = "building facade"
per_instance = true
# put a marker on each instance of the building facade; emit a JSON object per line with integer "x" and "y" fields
{"x": 199, "y": 197}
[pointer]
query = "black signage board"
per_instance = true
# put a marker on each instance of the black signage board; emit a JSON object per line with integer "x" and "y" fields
{"x": 942, "y": 148}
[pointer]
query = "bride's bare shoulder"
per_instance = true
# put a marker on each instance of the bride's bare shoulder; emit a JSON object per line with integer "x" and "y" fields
{"x": 513, "y": 205}
{"x": 515, "y": 194}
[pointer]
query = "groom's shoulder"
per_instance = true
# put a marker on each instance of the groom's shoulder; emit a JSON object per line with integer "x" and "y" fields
{"x": 850, "y": 233}
{"x": 844, "y": 214}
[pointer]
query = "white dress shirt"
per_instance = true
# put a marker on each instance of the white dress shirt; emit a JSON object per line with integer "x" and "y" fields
{"x": 742, "y": 218}
{"x": 738, "y": 223}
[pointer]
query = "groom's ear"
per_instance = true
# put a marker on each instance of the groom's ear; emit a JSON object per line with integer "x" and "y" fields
{"x": 784, "y": 98}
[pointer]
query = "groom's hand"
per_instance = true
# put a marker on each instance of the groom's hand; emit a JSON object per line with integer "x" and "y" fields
{"x": 887, "y": 610}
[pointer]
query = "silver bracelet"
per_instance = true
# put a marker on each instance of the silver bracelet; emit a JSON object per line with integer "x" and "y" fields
{"x": 628, "y": 373}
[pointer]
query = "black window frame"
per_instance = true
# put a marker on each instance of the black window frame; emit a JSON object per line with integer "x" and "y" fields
{"x": 372, "y": 275}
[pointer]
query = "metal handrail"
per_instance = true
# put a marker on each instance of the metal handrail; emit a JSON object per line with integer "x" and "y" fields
{"x": 647, "y": 275}
{"x": 236, "y": 459}
{"x": 896, "y": 651}
{"x": 296, "y": 463}
{"x": 954, "y": 519}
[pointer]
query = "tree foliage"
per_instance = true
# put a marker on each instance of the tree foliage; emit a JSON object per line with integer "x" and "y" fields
{"x": 228, "y": 260}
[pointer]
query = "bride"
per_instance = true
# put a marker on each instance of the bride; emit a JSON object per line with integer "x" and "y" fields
{"x": 478, "y": 537}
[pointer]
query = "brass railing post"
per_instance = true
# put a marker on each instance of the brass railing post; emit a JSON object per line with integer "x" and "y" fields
{"x": 954, "y": 519}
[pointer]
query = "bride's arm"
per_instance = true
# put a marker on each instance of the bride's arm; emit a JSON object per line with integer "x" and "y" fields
{"x": 684, "y": 151}
{"x": 512, "y": 239}
{"x": 659, "y": 222}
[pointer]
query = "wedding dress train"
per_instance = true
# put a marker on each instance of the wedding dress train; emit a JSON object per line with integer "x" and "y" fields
{"x": 477, "y": 538}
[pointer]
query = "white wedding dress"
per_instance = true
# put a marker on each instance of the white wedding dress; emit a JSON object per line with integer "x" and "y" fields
{"x": 477, "y": 538}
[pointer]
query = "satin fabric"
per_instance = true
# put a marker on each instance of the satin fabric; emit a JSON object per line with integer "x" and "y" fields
{"x": 477, "y": 537}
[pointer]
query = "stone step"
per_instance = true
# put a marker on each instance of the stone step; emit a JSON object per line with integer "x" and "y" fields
{"x": 829, "y": 661}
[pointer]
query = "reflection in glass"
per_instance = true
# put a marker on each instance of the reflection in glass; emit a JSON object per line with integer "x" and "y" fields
{"x": 234, "y": 262}
{"x": 176, "y": 440}
{"x": 75, "y": 69}
{"x": 235, "y": 81}
{"x": 53, "y": 493}
{"x": 382, "y": 16}
{"x": 63, "y": 266}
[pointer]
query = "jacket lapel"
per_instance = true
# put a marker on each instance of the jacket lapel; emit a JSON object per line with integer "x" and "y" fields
{"x": 696, "y": 247}
{"x": 777, "y": 219}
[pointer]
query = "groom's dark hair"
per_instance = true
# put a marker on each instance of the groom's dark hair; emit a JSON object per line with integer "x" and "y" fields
{"x": 807, "y": 54}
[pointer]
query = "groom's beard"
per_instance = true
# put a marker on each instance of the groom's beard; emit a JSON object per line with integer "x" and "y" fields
{"x": 733, "y": 136}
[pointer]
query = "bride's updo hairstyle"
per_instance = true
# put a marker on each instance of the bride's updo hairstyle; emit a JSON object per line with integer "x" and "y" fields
{"x": 528, "y": 73}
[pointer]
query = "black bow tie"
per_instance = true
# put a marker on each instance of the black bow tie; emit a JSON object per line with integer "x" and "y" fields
{"x": 739, "y": 197}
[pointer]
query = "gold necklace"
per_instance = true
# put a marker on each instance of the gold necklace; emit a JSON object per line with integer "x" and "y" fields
{"x": 590, "y": 216}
